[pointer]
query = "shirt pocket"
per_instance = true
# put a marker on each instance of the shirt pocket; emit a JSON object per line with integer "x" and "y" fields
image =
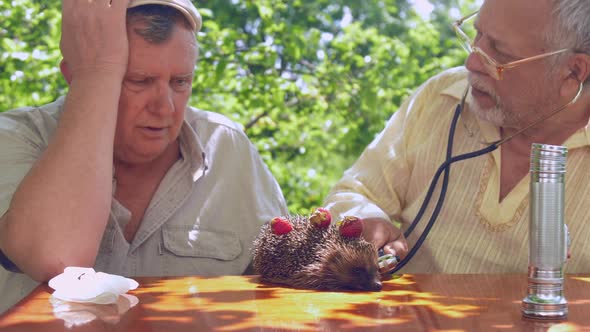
{"x": 193, "y": 241}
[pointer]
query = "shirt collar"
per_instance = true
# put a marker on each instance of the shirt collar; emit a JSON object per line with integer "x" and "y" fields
{"x": 456, "y": 89}
{"x": 580, "y": 138}
{"x": 192, "y": 151}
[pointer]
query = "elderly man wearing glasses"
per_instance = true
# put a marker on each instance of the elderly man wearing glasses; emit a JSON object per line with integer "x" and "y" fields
{"x": 523, "y": 83}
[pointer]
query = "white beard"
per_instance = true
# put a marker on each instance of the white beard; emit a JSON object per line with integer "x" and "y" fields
{"x": 494, "y": 115}
{"x": 535, "y": 103}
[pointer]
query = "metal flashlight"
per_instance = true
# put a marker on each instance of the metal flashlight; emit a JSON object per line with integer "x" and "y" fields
{"x": 548, "y": 235}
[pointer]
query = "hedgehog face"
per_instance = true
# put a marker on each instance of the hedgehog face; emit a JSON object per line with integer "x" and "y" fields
{"x": 364, "y": 278}
{"x": 353, "y": 267}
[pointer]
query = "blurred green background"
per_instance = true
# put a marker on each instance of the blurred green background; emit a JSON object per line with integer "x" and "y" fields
{"x": 311, "y": 82}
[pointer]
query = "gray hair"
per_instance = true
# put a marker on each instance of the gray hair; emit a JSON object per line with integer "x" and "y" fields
{"x": 570, "y": 28}
{"x": 571, "y": 25}
{"x": 158, "y": 22}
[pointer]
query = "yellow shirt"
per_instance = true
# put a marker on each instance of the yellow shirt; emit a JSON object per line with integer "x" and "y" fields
{"x": 474, "y": 233}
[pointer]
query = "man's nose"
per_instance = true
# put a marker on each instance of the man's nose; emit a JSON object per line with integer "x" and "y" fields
{"x": 163, "y": 99}
{"x": 475, "y": 63}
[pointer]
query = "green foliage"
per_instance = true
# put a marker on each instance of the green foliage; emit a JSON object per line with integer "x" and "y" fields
{"x": 311, "y": 82}
{"x": 29, "y": 53}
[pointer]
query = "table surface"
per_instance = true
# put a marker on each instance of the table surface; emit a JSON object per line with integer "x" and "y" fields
{"x": 465, "y": 302}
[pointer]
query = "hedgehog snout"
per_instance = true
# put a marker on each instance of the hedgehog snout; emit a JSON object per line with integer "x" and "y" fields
{"x": 377, "y": 285}
{"x": 374, "y": 285}
{"x": 367, "y": 280}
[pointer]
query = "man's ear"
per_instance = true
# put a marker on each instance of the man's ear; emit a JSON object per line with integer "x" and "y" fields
{"x": 65, "y": 71}
{"x": 578, "y": 71}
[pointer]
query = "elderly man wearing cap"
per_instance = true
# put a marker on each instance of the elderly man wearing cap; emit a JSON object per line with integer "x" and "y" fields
{"x": 120, "y": 174}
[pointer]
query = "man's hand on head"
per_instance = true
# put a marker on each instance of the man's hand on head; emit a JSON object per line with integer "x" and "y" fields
{"x": 94, "y": 38}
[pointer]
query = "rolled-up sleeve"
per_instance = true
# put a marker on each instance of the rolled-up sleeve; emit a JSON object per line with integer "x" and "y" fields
{"x": 377, "y": 184}
{"x": 20, "y": 147}
{"x": 374, "y": 185}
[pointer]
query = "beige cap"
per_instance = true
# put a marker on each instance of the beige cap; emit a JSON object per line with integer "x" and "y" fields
{"x": 184, "y": 6}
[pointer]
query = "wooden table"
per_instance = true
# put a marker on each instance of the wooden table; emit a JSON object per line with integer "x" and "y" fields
{"x": 234, "y": 303}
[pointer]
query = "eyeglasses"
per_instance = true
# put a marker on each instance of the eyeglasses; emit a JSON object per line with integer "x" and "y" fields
{"x": 491, "y": 66}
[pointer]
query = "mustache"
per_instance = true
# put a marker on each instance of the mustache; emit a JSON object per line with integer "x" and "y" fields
{"x": 479, "y": 84}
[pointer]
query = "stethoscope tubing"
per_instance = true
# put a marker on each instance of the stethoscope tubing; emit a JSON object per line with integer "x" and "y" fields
{"x": 446, "y": 168}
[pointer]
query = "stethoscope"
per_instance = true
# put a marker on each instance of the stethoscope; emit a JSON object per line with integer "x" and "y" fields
{"x": 445, "y": 168}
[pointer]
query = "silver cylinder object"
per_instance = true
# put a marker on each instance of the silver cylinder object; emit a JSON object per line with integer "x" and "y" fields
{"x": 548, "y": 236}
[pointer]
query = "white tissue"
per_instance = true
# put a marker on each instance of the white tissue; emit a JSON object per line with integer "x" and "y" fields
{"x": 84, "y": 285}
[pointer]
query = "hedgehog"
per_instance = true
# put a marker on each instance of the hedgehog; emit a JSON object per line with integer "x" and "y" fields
{"x": 311, "y": 253}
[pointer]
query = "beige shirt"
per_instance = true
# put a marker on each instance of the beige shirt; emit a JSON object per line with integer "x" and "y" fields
{"x": 474, "y": 233}
{"x": 202, "y": 219}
